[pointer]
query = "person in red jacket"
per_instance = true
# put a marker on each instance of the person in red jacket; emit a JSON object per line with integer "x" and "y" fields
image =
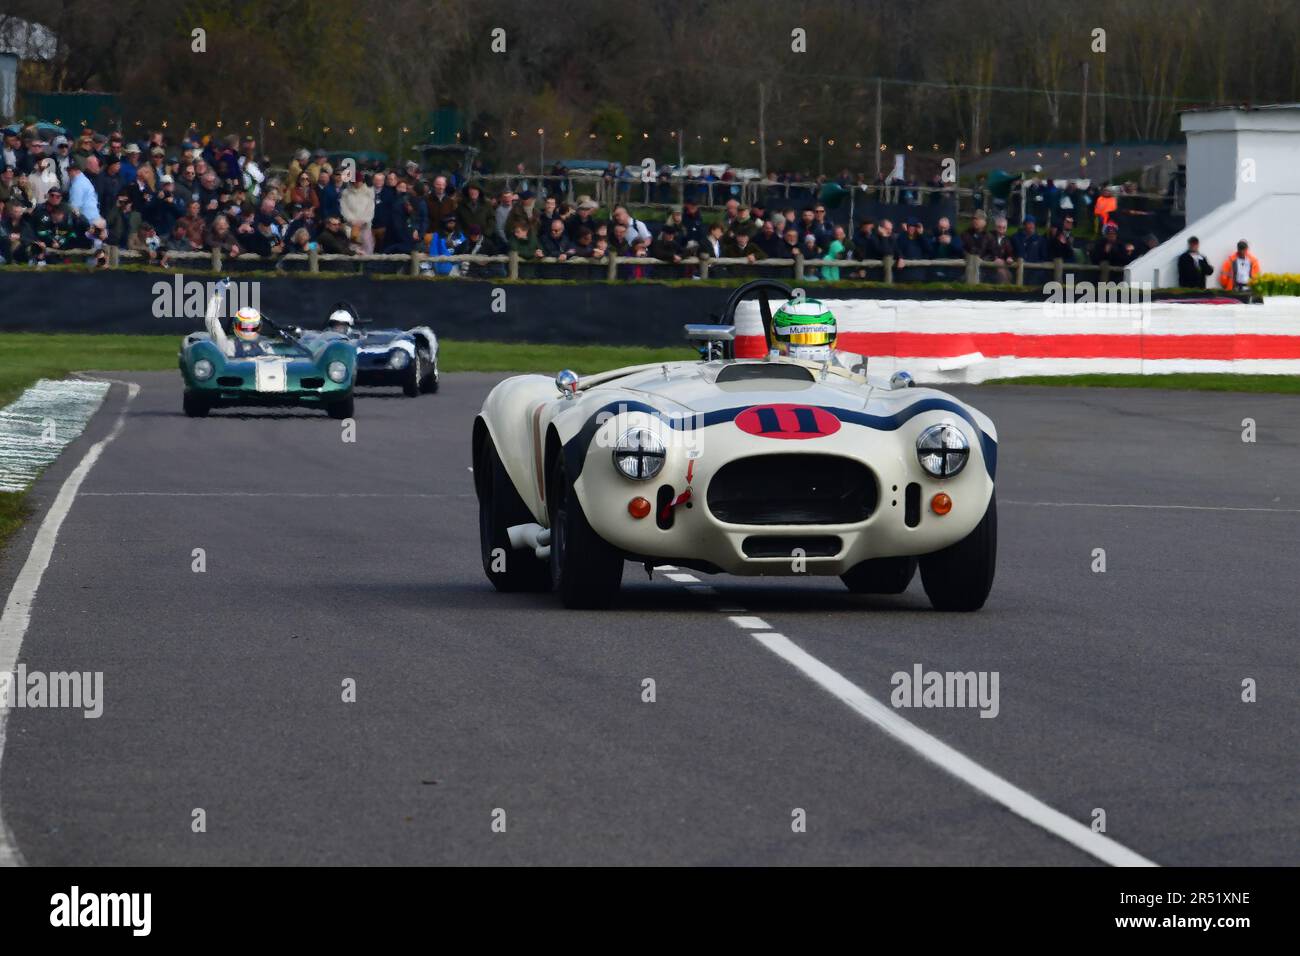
{"x": 1238, "y": 270}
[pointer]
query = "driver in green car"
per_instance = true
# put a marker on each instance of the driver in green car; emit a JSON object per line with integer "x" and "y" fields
{"x": 246, "y": 325}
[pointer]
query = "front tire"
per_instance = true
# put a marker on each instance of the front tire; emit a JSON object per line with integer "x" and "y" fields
{"x": 499, "y": 509}
{"x": 343, "y": 408}
{"x": 585, "y": 570}
{"x": 411, "y": 387}
{"x": 430, "y": 383}
{"x": 880, "y": 575}
{"x": 959, "y": 577}
{"x": 196, "y": 406}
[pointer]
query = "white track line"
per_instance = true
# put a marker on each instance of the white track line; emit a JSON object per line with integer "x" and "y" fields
{"x": 1096, "y": 504}
{"x": 750, "y": 623}
{"x": 18, "y": 608}
{"x": 682, "y": 578}
{"x": 267, "y": 494}
{"x": 959, "y": 765}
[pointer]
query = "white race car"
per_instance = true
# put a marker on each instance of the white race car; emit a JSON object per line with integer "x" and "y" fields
{"x": 785, "y": 465}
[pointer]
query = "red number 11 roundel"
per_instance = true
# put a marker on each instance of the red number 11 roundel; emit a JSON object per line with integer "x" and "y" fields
{"x": 787, "y": 421}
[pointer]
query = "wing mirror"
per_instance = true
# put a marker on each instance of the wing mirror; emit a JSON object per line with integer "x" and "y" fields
{"x": 901, "y": 380}
{"x": 566, "y": 382}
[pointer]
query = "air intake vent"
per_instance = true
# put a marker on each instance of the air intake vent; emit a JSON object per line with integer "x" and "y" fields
{"x": 792, "y": 489}
{"x": 912, "y": 505}
{"x": 230, "y": 381}
{"x": 313, "y": 382}
{"x": 763, "y": 371}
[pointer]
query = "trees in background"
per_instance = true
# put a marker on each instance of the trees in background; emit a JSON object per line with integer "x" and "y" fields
{"x": 337, "y": 72}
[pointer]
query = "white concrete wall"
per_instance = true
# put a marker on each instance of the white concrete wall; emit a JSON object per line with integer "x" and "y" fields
{"x": 1242, "y": 183}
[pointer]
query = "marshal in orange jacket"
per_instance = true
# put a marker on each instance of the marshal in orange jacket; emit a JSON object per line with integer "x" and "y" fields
{"x": 1226, "y": 274}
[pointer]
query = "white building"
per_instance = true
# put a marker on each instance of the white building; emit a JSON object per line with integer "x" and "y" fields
{"x": 19, "y": 40}
{"x": 1243, "y": 182}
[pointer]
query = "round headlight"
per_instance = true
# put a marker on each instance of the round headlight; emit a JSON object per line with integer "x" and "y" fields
{"x": 203, "y": 370}
{"x": 639, "y": 454}
{"x": 398, "y": 359}
{"x": 337, "y": 371}
{"x": 942, "y": 450}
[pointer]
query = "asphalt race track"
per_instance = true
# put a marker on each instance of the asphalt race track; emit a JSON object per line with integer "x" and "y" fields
{"x": 1119, "y": 691}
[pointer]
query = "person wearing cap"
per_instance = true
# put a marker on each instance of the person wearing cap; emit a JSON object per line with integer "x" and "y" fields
{"x": 446, "y": 239}
{"x": 14, "y": 155}
{"x": 130, "y": 164}
{"x": 1029, "y": 244}
{"x": 1193, "y": 268}
{"x": 81, "y": 189}
{"x": 479, "y": 243}
{"x": 11, "y": 190}
{"x": 1110, "y": 249}
{"x": 164, "y": 209}
{"x": 1239, "y": 269}
{"x": 583, "y": 218}
{"x": 62, "y": 159}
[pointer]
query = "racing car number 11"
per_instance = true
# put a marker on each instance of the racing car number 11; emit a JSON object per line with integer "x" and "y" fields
{"x": 787, "y": 421}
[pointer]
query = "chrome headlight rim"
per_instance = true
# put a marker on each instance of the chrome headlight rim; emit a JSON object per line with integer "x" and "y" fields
{"x": 639, "y": 454}
{"x": 204, "y": 370}
{"x": 935, "y": 445}
{"x": 337, "y": 372}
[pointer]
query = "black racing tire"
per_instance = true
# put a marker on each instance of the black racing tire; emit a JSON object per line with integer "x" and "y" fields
{"x": 959, "y": 577}
{"x": 430, "y": 384}
{"x": 342, "y": 408}
{"x": 196, "y": 406}
{"x": 585, "y": 570}
{"x": 880, "y": 575}
{"x": 499, "y": 509}
{"x": 411, "y": 387}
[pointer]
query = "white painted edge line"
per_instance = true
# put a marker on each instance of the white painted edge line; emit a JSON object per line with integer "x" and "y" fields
{"x": 682, "y": 578}
{"x": 750, "y": 623}
{"x": 18, "y": 608}
{"x": 1018, "y": 801}
{"x": 271, "y": 494}
{"x": 1095, "y": 504}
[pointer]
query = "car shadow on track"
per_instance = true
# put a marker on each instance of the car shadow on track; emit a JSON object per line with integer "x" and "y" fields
{"x": 639, "y": 596}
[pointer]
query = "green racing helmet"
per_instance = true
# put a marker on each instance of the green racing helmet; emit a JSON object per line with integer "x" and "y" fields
{"x": 804, "y": 329}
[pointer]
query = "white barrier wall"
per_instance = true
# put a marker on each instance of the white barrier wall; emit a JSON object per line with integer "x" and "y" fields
{"x": 1241, "y": 184}
{"x": 957, "y": 341}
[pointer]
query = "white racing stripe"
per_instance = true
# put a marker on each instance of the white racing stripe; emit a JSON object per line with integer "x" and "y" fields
{"x": 959, "y": 765}
{"x": 18, "y": 608}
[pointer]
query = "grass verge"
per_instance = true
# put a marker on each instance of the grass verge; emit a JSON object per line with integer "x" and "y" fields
{"x": 1185, "y": 381}
{"x": 26, "y": 357}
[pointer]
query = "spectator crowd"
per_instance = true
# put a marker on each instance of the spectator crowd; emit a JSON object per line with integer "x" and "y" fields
{"x": 219, "y": 193}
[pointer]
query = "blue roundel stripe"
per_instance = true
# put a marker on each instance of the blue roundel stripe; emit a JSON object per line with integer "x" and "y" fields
{"x": 576, "y": 446}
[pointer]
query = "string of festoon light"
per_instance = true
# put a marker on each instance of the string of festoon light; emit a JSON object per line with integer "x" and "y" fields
{"x": 778, "y": 142}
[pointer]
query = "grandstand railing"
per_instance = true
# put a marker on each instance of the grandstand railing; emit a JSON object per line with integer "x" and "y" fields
{"x": 969, "y": 270}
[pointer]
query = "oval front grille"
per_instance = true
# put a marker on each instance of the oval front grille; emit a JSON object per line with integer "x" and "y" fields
{"x": 792, "y": 489}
